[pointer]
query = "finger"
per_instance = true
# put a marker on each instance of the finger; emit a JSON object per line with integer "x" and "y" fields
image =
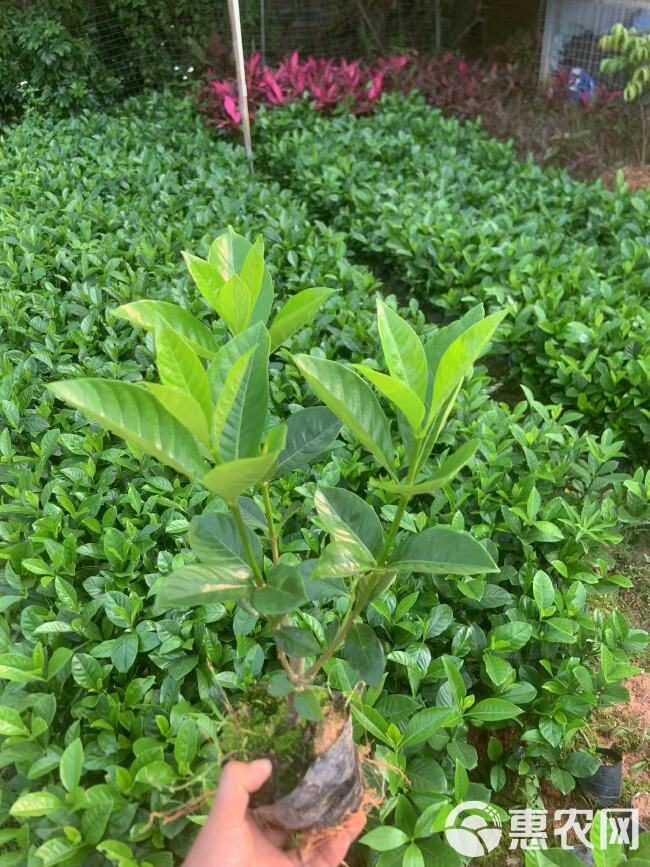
{"x": 331, "y": 852}
{"x": 237, "y": 782}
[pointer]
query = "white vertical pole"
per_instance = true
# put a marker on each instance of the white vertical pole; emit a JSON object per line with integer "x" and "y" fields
{"x": 238, "y": 51}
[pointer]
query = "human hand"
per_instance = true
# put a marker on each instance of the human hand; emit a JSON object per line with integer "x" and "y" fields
{"x": 232, "y": 838}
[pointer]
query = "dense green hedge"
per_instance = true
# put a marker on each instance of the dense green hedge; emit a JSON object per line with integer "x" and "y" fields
{"x": 109, "y": 711}
{"x": 442, "y": 213}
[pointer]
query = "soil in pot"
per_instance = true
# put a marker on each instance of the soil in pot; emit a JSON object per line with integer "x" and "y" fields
{"x": 316, "y": 775}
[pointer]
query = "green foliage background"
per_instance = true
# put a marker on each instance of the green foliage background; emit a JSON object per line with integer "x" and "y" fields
{"x": 110, "y": 712}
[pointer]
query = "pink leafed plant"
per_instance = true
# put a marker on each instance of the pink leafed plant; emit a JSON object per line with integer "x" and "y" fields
{"x": 328, "y": 83}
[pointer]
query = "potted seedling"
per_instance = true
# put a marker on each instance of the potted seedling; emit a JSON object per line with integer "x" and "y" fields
{"x": 209, "y": 418}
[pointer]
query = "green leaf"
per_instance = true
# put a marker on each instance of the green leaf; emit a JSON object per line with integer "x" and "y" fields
{"x": 215, "y": 539}
{"x": 510, "y": 636}
{"x": 581, "y": 764}
{"x": 493, "y": 710}
{"x": 152, "y": 315}
{"x": 186, "y": 743}
{"x": 426, "y": 775}
{"x": 364, "y": 652}
{"x": 384, "y": 839}
{"x": 131, "y": 412}
{"x": 461, "y": 782}
{"x": 341, "y": 559}
{"x": 232, "y": 479}
{"x": 498, "y": 670}
{"x": 86, "y": 671}
{"x": 206, "y": 277}
{"x": 179, "y": 367}
{"x": 399, "y": 394}
{"x": 456, "y": 682}
{"x": 307, "y": 705}
{"x": 403, "y": 350}
{"x": 35, "y": 804}
{"x": 442, "y": 339}
{"x": 444, "y": 474}
{"x": 242, "y": 406}
{"x": 310, "y": 432}
{"x": 201, "y": 584}
{"x": 413, "y": 856}
{"x": 296, "y": 641}
{"x": 184, "y": 408}
{"x": 352, "y": 401}
{"x": 425, "y": 723}
{"x": 562, "y": 780}
{"x": 252, "y": 271}
{"x": 543, "y": 590}
{"x": 494, "y": 749}
{"x": 125, "y": 651}
{"x": 284, "y": 592}
{"x": 229, "y": 253}
{"x": 158, "y": 775}
{"x": 442, "y": 551}
{"x": 11, "y": 724}
{"x": 349, "y": 519}
{"x": 234, "y": 304}
{"x": 71, "y": 765}
{"x": 560, "y": 629}
{"x": 552, "y": 731}
{"x": 299, "y": 310}
{"x": 459, "y": 357}
{"x": 604, "y": 852}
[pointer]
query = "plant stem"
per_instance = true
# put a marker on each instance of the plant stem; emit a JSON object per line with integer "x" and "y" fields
{"x": 373, "y": 577}
{"x": 273, "y": 535}
{"x": 246, "y": 542}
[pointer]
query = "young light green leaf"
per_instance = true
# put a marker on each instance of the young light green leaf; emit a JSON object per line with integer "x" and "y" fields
{"x": 403, "y": 350}
{"x": 186, "y": 743}
{"x": 252, "y": 270}
{"x": 35, "y": 804}
{"x": 352, "y": 401}
{"x": 444, "y": 474}
{"x": 348, "y": 518}
{"x": 179, "y": 367}
{"x": 384, "y": 839}
{"x": 543, "y": 590}
{"x": 206, "y": 277}
{"x": 133, "y": 413}
{"x": 184, "y": 409}
{"x": 309, "y": 432}
{"x": 298, "y": 311}
{"x": 442, "y": 551}
{"x": 442, "y": 339}
{"x": 71, "y": 765}
{"x": 233, "y": 304}
{"x": 201, "y": 584}
{"x": 240, "y": 411}
{"x": 235, "y": 477}
{"x": 404, "y": 398}
{"x": 11, "y": 724}
{"x": 152, "y": 315}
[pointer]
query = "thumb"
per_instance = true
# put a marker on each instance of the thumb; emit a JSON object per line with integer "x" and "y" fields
{"x": 238, "y": 780}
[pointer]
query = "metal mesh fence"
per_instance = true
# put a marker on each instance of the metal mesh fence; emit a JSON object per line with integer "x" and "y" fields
{"x": 145, "y": 49}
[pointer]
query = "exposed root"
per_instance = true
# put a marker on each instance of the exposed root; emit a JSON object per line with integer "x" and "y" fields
{"x": 168, "y": 816}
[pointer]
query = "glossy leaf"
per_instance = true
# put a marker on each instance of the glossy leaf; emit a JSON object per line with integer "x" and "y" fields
{"x": 352, "y": 401}
{"x": 241, "y": 408}
{"x": 283, "y": 593}
{"x": 445, "y": 473}
{"x": 403, "y": 350}
{"x": 425, "y": 723}
{"x": 349, "y": 519}
{"x": 179, "y": 367}
{"x": 310, "y": 432}
{"x": 201, "y": 584}
{"x": 184, "y": 409}
{"x": 493, "y": 710}
{"x": 235, "y": 477}
{"x": 206, "y": 278}
{"x": 71, "y": 765}
{"x": 443, "y": 551}
{"x": 459, "y": 357}
{"x": 297, "y": 312}
{"x": 152, "y": 315}
{"x": 399, "y": 394}
{"x": 233, "y": 304}
{"x": 133, "y": 413}
{"x": 214, "y": 538}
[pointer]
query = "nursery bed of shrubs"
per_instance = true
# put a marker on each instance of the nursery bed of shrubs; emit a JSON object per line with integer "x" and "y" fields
{"x": 110, "y": 711}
